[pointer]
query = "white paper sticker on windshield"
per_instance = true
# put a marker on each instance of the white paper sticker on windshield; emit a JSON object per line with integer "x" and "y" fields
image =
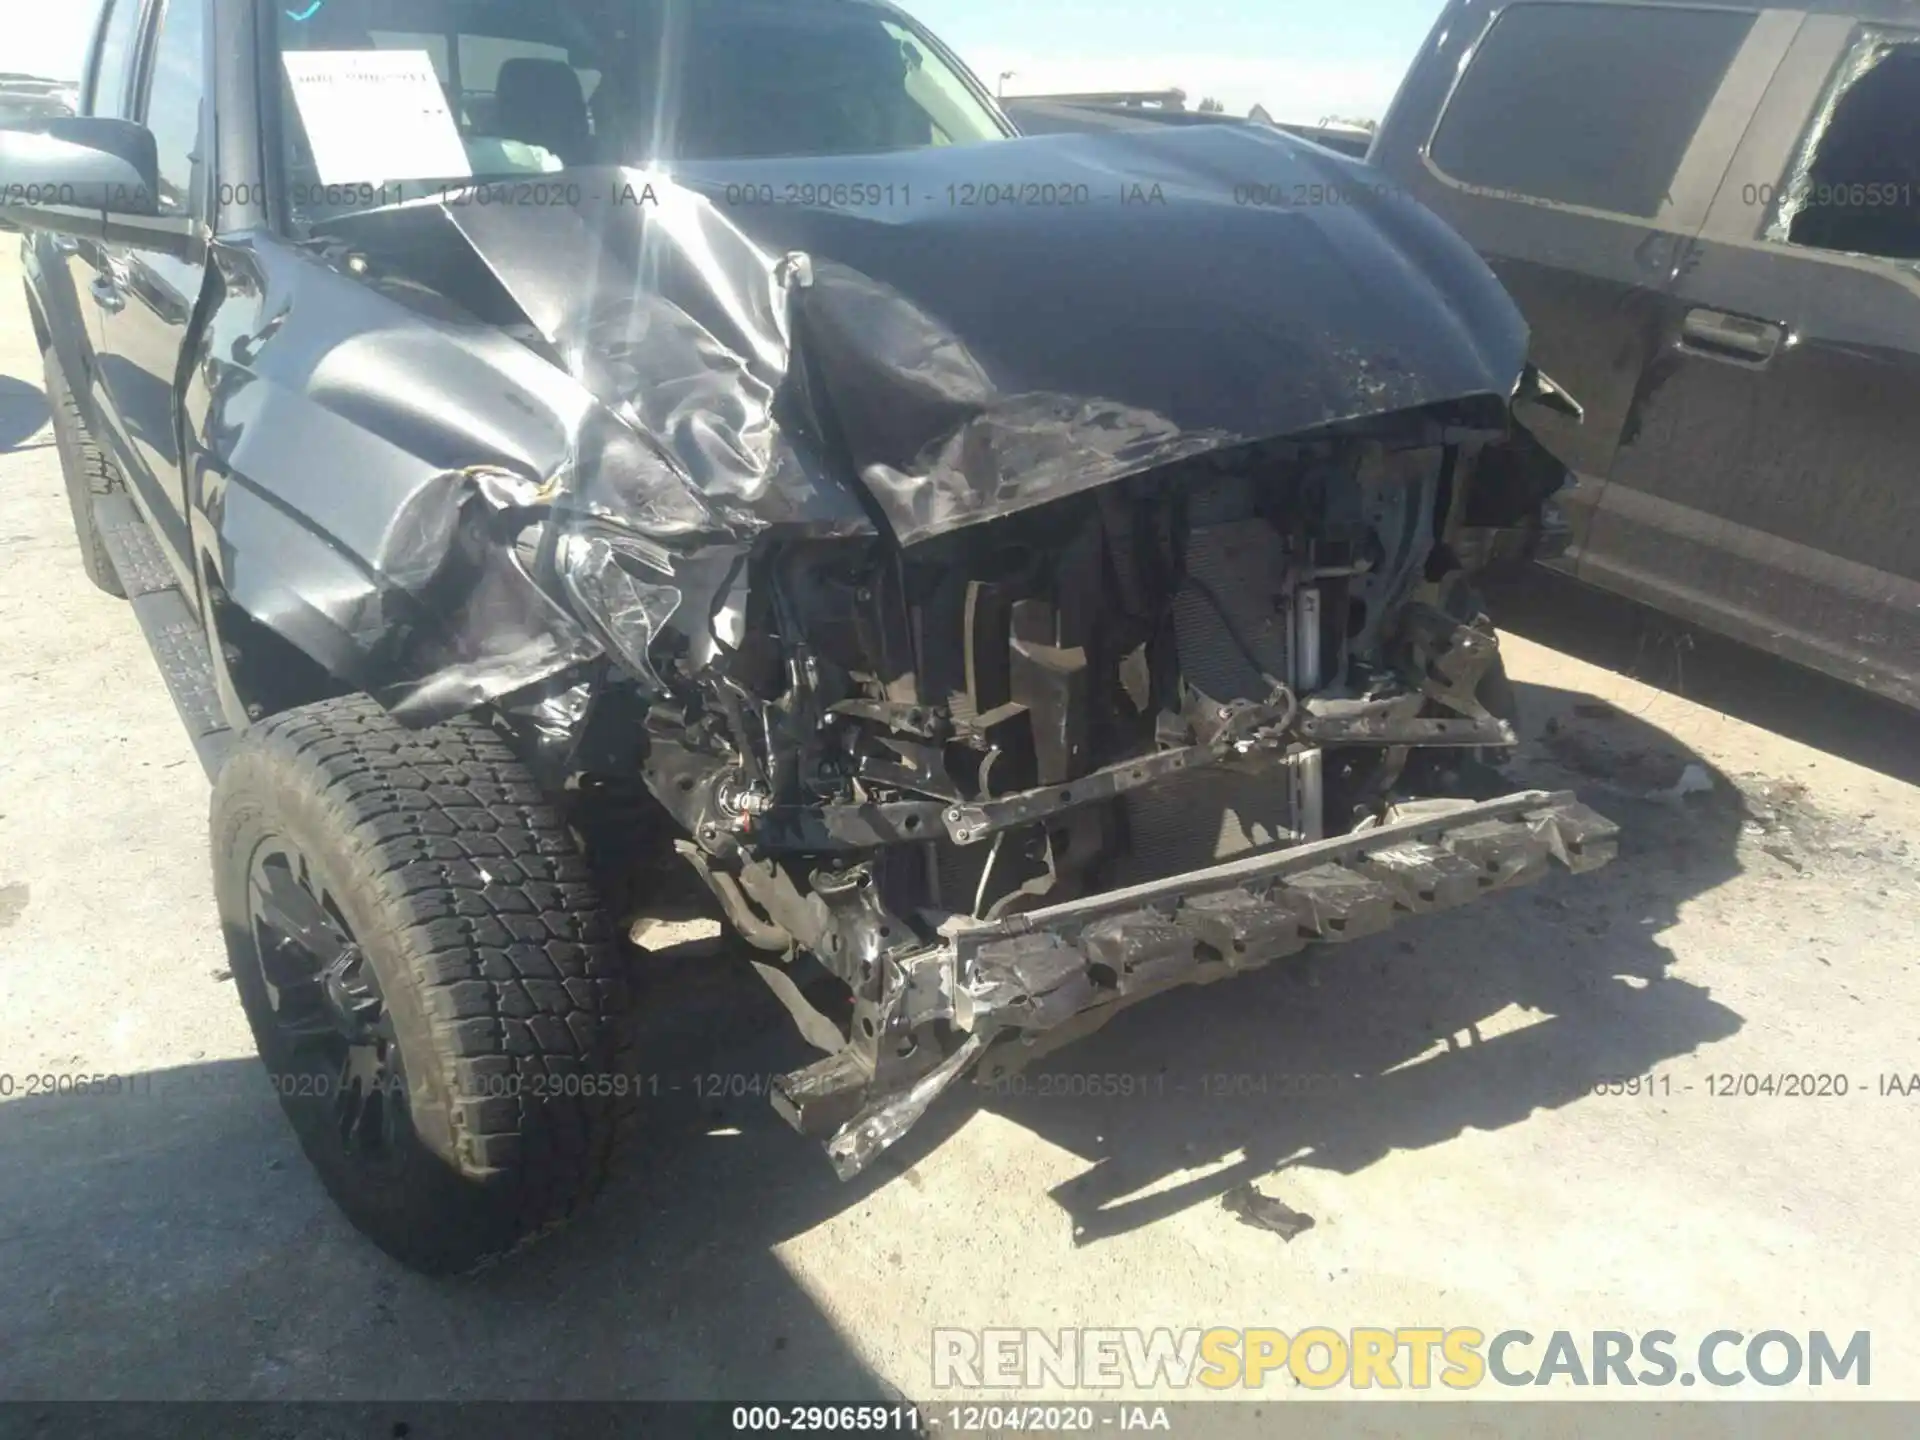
{"x": 376, "y": 115}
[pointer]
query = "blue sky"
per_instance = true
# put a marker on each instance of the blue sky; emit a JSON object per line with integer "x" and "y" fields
{"x": 1302, "y": 59}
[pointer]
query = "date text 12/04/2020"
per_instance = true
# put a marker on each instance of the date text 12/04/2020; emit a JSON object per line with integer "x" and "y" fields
{"x": 1751, "y": 1084}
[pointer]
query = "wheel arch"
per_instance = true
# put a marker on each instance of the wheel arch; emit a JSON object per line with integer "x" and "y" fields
{"x": 258, "y": 670}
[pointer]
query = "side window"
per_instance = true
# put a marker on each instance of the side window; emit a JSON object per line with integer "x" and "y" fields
{"x": 113, "y": 65}
{"x": 176, "y": 84}
{"x": 1856, "y": 184}
{"x": 943, "y": 95}
{"x": 1591, "y": 105}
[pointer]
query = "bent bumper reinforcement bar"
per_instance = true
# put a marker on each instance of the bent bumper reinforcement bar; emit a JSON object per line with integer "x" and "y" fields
{"x": 1022, "y": 985}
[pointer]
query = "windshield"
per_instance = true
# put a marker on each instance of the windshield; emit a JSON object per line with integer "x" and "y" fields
{"x": 386, "y": 99}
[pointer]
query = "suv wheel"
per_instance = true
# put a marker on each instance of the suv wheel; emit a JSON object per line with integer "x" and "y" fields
{"x": 429, "y": 974}
{"x": 88, "y": 473}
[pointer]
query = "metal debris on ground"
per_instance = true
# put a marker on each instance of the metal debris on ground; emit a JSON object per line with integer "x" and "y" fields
{"x": 1264, "y": 1212}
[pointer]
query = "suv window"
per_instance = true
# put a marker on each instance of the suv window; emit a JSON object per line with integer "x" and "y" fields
{"x": 1859, "y": 188}
{"x": 113, "y": 65}
{"x": 176, "y": 82}
{"x": 1590, "y": 105}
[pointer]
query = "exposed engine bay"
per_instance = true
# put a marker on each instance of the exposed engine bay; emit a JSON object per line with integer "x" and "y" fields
{"x": 877, "y": 748}
{"x": 949, "y": 696}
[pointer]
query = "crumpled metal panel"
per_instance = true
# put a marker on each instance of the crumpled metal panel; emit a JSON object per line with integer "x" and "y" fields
{"x": 1140, "y": 951}
{"x": 1424, "y": 877}
{"x": 663, "y": 309}
{"x": 607, "y": 581}
{"x": 1243, "y": 929}
{"x": 854, "y": 1145}
{"x": 973, "y": 360}
{"x": 1579, "y": 837}
{"x": 668, "y": 358}
{"x": 1036, "y": 981}
{"x": 1027, "y": 972}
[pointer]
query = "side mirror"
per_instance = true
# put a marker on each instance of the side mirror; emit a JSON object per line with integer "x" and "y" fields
{"x": 78, "y": 174}
{"x": 1538, "y": 386}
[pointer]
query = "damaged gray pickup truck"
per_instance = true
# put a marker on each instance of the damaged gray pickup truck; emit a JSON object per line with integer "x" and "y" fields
{"x": 1017, "y": 575}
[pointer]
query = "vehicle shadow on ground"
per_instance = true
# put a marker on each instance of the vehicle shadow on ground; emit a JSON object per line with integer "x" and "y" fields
{"x": 173, "y": 1243}
{"x": 23, "y": 412}
{"x": 1672, "y": 655}
{"x": 1471, "y": 1020}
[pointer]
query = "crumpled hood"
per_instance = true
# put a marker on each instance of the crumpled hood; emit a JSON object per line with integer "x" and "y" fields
{"x": 977, "y": 330}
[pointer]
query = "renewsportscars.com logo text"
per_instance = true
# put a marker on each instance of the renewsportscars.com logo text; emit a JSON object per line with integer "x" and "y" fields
{"x": 1407, "y": 1357}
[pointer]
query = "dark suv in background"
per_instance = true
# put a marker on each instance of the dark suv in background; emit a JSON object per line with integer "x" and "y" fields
{"x": 1711, "y": 219}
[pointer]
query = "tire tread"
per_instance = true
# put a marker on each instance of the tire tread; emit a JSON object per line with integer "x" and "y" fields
{"x": 497, "y": 919}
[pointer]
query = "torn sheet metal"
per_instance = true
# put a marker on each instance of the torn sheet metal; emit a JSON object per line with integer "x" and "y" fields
{"x": 966, "y": 357}
{"x": 983, "y": 360}
{"x": 673, "y": 358}
{"x": 667, "y": 315}
{"x": 1263, "y": 1212}
{"x": 854, "y": 1145}
{"x": 432, "y": 609}
{"x": 627, "y": 592}
{"x": 1064, "y": 969}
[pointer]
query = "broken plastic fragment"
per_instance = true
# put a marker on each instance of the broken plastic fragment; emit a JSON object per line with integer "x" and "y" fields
{"x": 598, "y": 572}
{"x": 1264, "y": 1212}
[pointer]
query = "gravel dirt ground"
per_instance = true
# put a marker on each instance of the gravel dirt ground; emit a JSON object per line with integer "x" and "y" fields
{"x": 171, "y": 1243}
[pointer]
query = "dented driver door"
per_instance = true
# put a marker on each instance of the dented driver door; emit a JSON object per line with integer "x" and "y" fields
{"x": 1769, "y": 486}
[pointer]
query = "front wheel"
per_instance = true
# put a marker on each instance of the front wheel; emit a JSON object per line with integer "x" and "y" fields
{"x": 430, "y": 977}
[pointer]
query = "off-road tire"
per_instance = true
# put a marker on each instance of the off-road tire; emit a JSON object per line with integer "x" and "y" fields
{"x": 88, "y": 473}
{"x": 508, "y": 990}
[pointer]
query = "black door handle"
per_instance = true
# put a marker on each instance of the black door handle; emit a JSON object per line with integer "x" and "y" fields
{"x": 1731, "y": 337}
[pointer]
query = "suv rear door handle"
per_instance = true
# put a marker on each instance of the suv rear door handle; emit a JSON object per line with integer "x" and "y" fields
{"x": 1731, "y": 337}
{"x": 110, "y": 285}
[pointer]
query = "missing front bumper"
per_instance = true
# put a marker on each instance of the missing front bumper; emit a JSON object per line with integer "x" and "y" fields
{"x": 1023, "y": 985}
